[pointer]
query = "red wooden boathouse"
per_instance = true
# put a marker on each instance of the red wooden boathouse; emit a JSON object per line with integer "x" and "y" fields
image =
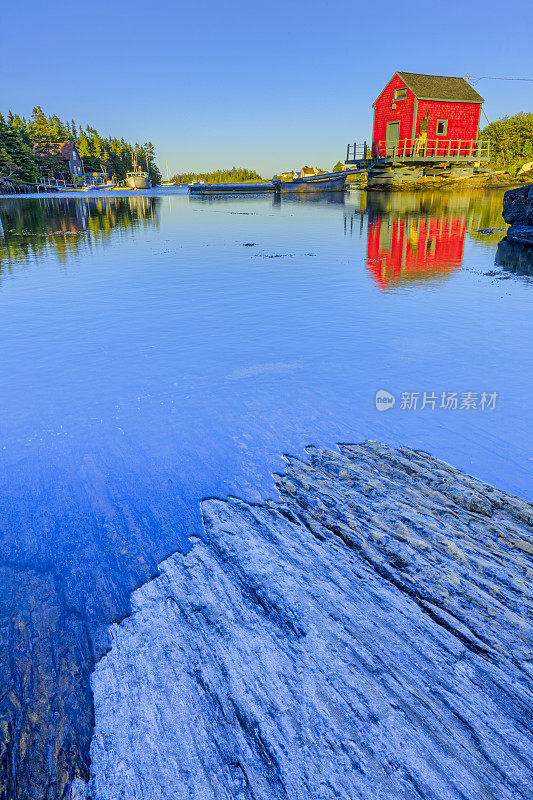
{"x": 423, "y": 125}
{"x": 425, "y": 111}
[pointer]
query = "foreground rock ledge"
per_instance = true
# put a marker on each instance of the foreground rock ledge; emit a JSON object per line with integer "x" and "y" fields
{"x": 367, "y": 637}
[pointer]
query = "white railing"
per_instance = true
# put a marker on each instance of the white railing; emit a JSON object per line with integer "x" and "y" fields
{"x": 434, "y": 150}
{"x": 421, "y": 150}
{"x": 53, "y": 183}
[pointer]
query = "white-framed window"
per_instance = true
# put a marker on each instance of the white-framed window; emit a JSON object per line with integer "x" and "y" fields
{"x": 400, "y": 94}
{"x": 442, "y": 127}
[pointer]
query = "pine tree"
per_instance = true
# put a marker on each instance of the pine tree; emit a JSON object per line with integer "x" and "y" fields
{"x": 39, "y": 127}
{"x": 16, "y": 158}
{"x": 233, "y": 175}
{"x": 57, "y": 130}
{"x": 148, "y": 159}
{"x": 115, "y": 155}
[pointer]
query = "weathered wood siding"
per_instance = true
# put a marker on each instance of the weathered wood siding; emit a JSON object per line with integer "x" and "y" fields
{"x": 383, "y": 113}
{"x": 463, "y": 118}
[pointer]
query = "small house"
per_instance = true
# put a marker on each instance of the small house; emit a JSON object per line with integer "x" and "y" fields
{"x": 418, "y": 113}
{"x": 65, "y": 154}
{"x": 289, "y": 176}
{"x": 309, "y": 171}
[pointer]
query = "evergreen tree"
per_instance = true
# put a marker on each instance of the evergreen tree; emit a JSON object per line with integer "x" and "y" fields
{"x": 16, "y": 158}
{"x": 233, "y": 175}
{"x": 114, "y": 155}
{"x": 57, "y": 130}
{"x": 39, "y": 127}
{"x": 148, "y": 161}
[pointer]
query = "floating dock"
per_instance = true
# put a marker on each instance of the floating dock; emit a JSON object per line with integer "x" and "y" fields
{"x": 231, "y": 188}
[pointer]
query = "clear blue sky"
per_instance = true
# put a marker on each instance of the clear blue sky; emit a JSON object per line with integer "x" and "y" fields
{"x": 272, "y": 86}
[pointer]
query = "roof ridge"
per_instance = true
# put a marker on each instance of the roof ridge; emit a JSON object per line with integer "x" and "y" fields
{"x": 440, "y": 87}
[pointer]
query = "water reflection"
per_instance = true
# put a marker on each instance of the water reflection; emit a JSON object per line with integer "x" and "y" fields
{"x": 276, "y": 199}
{"x": 404, "y": 249}
{"x": 31, "y": 228}
{"x": 319, "y": 198}
{"x": 514, "y": 257}
{"x": 179, "y": 366}
{"x": 421, "y": 236}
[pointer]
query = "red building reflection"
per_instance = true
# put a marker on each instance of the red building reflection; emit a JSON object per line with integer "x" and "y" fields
{"x": 414, "y": 248}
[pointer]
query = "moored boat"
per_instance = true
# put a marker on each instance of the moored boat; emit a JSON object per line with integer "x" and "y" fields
{"x": 230, "y": 188}
{"x": 90, "y": 187}
{"x": 95, "y": 181}
{"x": 321, "y": 182}
{"x": 138, "y": 179}
{"x": 306, "y": 181}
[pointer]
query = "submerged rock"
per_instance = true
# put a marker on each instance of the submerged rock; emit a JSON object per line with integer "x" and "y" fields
{"x": 367, "y": 636}
{"x": 46, "y": 717}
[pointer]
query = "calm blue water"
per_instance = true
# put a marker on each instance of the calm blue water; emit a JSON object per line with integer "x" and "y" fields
{"x": 149, "y": 358}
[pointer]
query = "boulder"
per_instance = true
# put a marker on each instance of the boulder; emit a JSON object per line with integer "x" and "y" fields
{"x": 525, "y": 168}
{"x": 521, "y": 233}
{"x": 518, "y": 212}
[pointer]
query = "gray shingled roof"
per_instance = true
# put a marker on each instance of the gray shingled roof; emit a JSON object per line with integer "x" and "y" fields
{"x": 440, "y": 87}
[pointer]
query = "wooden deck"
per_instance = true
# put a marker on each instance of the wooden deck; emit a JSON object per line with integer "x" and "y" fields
{"x": 413, "y": 151}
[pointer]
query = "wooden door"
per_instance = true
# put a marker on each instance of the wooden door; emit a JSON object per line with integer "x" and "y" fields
{"x": 393, "y": 138}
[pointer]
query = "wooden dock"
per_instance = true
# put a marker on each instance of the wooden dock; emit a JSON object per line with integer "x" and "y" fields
{"x": 407, "y": 160}
{"x": 415, "y": 151}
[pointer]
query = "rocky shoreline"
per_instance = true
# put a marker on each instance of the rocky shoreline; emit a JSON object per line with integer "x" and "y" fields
{"x": 489, "y": 181}
{"x": 366, "y": 636}
{"x": 8, "y": 187}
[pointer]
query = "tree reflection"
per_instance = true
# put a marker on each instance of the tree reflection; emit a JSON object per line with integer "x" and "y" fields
{"x": 31, "y": 227}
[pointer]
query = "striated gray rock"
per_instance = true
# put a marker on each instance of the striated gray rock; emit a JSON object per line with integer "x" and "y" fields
{"x": 367, "y": 636}
{"x": 78, "y": 790}
{"x": 518, "y": 212}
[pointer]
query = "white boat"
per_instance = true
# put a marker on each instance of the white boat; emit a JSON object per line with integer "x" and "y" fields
{"x": 138, "y": 179}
